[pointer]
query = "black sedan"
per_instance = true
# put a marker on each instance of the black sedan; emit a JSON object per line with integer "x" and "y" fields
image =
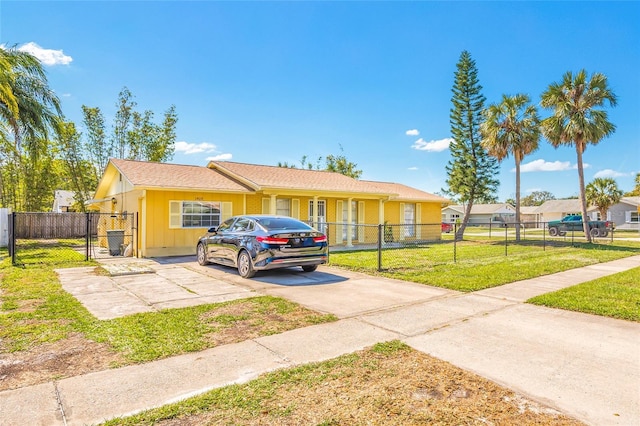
{"x": 259, "y": 242}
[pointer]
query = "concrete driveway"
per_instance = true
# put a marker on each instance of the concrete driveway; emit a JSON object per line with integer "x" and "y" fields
{"x": 328, "y": 290}
{"x": 583, "y": 365}
{"x": 149, "y": 285}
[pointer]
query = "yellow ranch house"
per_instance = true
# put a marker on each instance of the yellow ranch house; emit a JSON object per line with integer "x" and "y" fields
{"x": 176, "y": 204}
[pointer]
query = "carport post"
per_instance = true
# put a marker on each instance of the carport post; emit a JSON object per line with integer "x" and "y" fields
{"x": 379, "y": 247}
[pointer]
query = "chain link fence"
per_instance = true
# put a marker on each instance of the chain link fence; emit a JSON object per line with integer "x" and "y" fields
{"x": 392, "y": 247}
{"x": 70, "y": 237}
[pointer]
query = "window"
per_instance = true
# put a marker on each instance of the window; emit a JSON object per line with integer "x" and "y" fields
{"x": 409, "y": 220}
{"x": 283, "y": 206}
{"x": 354, "y": 219}
{"x": 322, "y": 215}
{"x": 243, "y": 225}
{"x": 194, "y": 214}
{"x": 634, "y": 217}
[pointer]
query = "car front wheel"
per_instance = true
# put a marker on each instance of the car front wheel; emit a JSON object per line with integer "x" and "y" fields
{"x": 202, "y": 255}
{"x": 245, "y": 267}
{"x": 553, "y": 231}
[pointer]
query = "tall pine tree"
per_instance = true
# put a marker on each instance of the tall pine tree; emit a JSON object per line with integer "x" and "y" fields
{"x": 472, "y": 172}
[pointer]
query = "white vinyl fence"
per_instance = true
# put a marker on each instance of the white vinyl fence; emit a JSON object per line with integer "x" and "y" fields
{"x": 4, "y": 227}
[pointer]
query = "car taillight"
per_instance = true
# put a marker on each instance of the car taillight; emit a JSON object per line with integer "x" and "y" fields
{"x": 321, "y": 239}
{"x": 272, "y": 240}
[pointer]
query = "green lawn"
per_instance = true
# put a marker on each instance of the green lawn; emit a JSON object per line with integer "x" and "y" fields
{"x": 616, "y": 296}
{"x": 481, "y": 264}
{"x": 34, "y": 309}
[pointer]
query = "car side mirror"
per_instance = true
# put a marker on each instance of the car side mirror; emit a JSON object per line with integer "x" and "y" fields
{"x": 213, "y": 230}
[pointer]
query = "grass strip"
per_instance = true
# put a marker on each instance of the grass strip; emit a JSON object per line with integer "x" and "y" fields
{"x": 389, "y": 384}
{"x": 478, "y": 264}
{"x": 616, "y": 296}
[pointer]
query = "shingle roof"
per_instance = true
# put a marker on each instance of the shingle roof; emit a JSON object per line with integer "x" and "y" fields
{"x": 163, "y": 175}
{"x": 404, "y": 192}
{"x": 562, "y": 206}
{"x": 634, "y": 201}
{"x": 243, "y": 177}
{"x": 283, "y": 177}
{"x": 481, "y": 208}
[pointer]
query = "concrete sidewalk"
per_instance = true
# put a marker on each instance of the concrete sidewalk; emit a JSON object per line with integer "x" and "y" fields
{"x": 583, "y": 365}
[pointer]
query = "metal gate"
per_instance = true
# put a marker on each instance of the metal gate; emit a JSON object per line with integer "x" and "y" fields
{"x": 65, "y": 237}
{"x": 112, "y": 235}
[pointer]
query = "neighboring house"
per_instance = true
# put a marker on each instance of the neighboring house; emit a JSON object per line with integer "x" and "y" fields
{"x": 529, "y": 216}
{"x": 63, "y": 201}
{"x": 176, "y": 204}
{"x": 481, "y": 214}
{"x": 557, "y": 209}
{"x": 626, "y": 213}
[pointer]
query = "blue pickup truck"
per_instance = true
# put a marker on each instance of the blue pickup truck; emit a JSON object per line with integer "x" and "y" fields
{"x": 573, "y": 222}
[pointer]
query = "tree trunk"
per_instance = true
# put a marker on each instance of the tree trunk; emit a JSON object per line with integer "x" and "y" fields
{"x": 465, "y": 220}
{"x": 583, "y": 198}
{"x": 517, "y": 197}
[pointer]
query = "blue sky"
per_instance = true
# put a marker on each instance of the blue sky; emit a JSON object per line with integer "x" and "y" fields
{"x": 268, "y": 82}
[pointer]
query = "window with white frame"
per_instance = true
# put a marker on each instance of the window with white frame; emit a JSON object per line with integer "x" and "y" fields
{"x": 283, "y": 206}
{"x": 322, "y": 215}
{"x": 194, "y": 214}
{"x": 634, "y": 217}
{"x": 409, "y": 220}
{"x": 354, "y": 219}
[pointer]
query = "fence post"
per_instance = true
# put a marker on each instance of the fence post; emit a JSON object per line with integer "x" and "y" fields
{"x": 380, "y": 227}
{"x": 12, "y": 237}
{"x": 86, "y": 237}
{"x": 455, "y": 232}
{"x": 506, "y": 238}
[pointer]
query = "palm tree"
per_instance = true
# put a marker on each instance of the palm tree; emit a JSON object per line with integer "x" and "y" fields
{"x": 28, "y": 107}
{"x": 577, "y": 120}
{"x": 29, "y": 110}
{"x": 511, "y": 127}
{"x": 603, "y": 193}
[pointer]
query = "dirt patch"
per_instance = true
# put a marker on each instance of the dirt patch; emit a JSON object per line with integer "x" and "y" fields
{"x": 403, "y": 388}
{"x": 68, "y": 357}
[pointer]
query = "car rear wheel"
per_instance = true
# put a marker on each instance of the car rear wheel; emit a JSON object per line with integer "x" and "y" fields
{"x": 595, "y": 232}
{"x": 245, "y": 267}
{"x": 309, "y": 268}
{"x": 553, "y": 231}
{"x": 202, "y": 255}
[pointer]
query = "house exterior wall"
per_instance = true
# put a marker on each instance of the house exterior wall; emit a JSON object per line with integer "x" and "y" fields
{"x": 620, "y": 214}
{"x": 157, "y": 238}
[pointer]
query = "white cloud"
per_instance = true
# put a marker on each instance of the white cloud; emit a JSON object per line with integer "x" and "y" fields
{"x": 530, "y": 190}
{"x": 194, "y": 148}
{"x": 413, "y": 168}
{"x": 608, "y": 173}
{"x": 412, "y": 132}
{"x": 432, "y": 146}
{"x": 541, "y": 165}
{"x": 46, "y": 56}
{"x": 221, "y": 157}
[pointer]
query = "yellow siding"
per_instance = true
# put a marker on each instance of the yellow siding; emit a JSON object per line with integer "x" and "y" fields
{"x": 162, "y": 240}
{"x": 392, "y": 212}
{"x": 156, "y": 238}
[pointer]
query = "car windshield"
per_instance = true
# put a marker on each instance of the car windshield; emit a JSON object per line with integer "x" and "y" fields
{"x": 273, "y": 223}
